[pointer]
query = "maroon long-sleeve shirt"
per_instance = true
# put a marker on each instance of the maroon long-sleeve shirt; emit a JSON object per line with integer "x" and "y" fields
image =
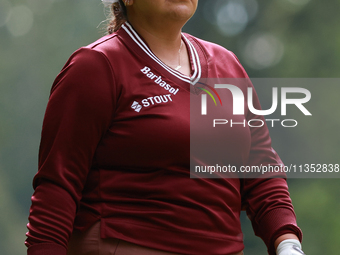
{"x": 115, "y": 147}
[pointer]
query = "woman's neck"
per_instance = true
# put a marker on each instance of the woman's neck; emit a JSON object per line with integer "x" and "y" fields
{"x": 165, "y": 41}
{"x": 157, "y": 33}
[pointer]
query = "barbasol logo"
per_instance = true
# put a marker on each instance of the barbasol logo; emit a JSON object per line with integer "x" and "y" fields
{"x": 158, "y": 79}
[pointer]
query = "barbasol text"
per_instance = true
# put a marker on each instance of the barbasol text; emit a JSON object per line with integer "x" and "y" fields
{"x": 159, "y": 80}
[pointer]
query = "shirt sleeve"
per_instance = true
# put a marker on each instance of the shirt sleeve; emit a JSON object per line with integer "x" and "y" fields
{"x": 78, "y": 113}
{"x": 266, "y": 198}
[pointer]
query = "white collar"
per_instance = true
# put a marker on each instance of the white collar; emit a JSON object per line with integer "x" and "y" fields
{"x": 192, "y": 51}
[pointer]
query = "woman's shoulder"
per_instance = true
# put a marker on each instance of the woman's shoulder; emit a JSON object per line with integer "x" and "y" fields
{"x": 109, "y": 41}
{"x": 104, "y": 46}
{"x": 100, "y": 51}
{"x": 89, "y": 62}
{"x": 218, "y": 56}
{"x": 210, "y": 48}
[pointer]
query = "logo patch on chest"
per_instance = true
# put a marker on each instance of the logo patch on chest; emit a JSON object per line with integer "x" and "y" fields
{"x": 136, "y": 106}
{"x": 150, "y": 101}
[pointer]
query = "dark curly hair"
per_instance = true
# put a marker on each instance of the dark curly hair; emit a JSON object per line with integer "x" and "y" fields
{"x": 118, "y": 16}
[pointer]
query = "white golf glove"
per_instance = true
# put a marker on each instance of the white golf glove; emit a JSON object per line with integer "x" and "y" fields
{"x": 289, "y": 247}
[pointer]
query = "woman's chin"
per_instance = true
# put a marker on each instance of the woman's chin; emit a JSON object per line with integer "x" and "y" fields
{"x": 182, "y": 12}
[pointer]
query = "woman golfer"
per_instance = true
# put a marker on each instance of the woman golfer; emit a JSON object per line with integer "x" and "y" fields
{"x": 114, "y": 157}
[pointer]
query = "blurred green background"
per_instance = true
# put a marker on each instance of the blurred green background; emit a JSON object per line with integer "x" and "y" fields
{"x": 272, "y": 38}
